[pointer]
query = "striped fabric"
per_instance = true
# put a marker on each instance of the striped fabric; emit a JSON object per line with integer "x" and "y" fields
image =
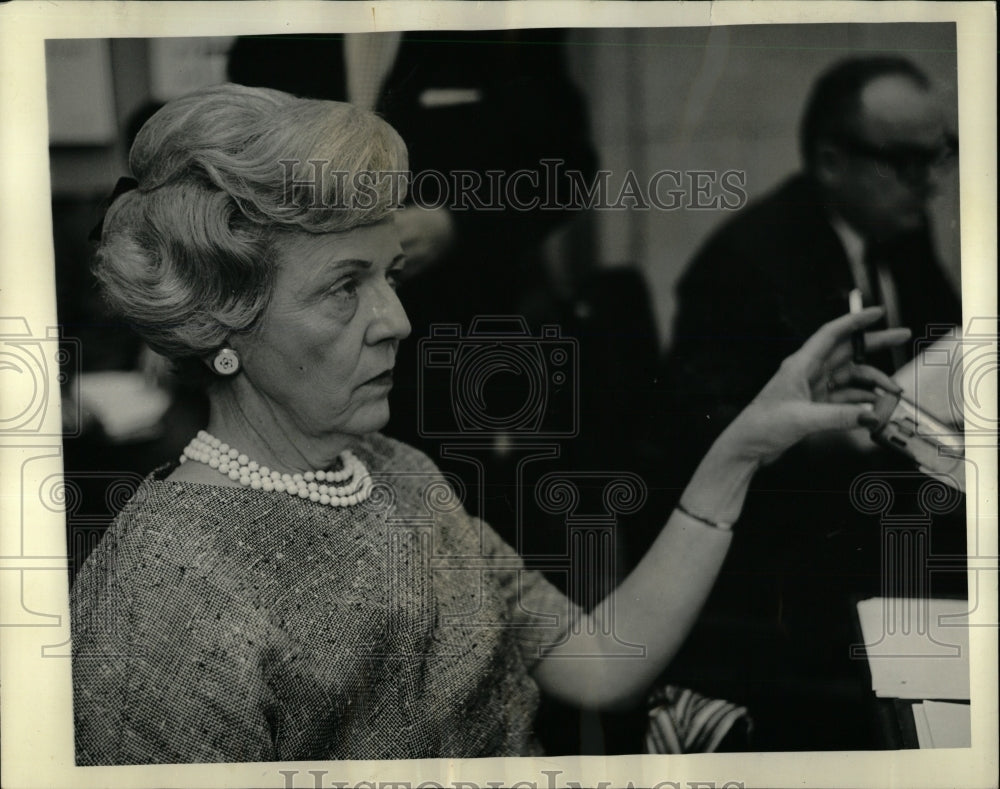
{"x": 682, "y": 721}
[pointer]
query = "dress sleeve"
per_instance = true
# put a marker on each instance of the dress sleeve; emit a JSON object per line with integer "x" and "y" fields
{"x": 540, "y": 613}
{"x": 166, "y": 668}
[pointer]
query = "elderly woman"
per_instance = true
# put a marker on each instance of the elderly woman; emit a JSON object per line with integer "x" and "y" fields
{"x": 298, "y": 586}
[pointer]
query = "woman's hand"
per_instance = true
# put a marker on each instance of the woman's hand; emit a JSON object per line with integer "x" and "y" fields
{"x": 818, "y": 388}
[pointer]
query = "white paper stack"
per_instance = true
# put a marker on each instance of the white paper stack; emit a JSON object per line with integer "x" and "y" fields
{"x": 917, "y": 649}
{"x": 928, "y": 379}
{"x": 943, "y": 724}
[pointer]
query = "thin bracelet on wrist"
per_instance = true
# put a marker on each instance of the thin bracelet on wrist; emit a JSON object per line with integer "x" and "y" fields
{"x": 721, "y": 525}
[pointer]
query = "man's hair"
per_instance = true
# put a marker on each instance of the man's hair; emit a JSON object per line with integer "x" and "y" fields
{"x": 833, "y": 109}
{"x": 188, "y": 256}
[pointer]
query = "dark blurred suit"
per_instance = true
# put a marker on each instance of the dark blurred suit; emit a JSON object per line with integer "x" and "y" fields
{"x": 762, "y": 284}
{"x": 474, "y": 101}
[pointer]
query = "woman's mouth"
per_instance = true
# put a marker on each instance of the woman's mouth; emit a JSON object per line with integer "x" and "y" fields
{"x": 383, "y": 379}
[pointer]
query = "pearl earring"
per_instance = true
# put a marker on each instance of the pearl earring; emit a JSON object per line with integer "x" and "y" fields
{"x": 226, "y": 361}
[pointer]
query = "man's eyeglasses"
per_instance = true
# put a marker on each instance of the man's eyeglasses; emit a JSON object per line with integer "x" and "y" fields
{"x": 910, "y": 163}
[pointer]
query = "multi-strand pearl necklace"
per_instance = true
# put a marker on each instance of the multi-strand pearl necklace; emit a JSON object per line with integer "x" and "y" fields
{"x": 355, "y": 483}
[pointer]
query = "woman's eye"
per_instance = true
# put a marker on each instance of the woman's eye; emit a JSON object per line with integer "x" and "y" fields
{"x": 393, "y": 276}
{"x": 344, "y": 290}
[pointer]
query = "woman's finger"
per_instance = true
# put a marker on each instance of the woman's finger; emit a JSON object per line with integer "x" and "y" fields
{"x": 865, "y": 373}
{"x": 852, "y": 394}
{"x": 886, "y": 338}
{"x": 816, "y": 417}
{"x": 838, "y": 357}
{"x": 822, "y": 343}
{"x": 859, "y": 373}
{"x": 874, "y": 341}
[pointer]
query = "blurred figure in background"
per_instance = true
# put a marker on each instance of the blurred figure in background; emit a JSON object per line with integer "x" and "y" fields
{"x": 873, "y": 141}
{"x": 125, "y": 413}
{"x": 470, "y": 105}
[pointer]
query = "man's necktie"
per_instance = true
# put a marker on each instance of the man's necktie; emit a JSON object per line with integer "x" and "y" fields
{"x": 882, "y": 291}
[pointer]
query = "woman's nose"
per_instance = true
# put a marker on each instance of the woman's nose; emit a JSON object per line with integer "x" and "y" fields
{"x": 389, "y": 321}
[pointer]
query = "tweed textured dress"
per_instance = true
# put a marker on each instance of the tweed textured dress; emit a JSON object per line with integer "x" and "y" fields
{"x": 229, "y": 624}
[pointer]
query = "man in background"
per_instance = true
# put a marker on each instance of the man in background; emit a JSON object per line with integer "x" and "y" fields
{"x": 873, "y": 140}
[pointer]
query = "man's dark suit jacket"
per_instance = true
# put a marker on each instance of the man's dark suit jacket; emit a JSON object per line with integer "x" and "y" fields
{"x": 764, "y": 283}
{"x": 760, "y": 286}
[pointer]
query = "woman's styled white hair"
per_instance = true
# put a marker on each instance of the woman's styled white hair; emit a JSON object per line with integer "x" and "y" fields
{"x": 187, "y": 257}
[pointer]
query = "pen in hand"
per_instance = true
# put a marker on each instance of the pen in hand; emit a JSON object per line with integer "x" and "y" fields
{"x": 855, "y": 305}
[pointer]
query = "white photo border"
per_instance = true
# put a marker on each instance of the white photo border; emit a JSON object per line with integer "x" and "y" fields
{"x": 36, "y": 700}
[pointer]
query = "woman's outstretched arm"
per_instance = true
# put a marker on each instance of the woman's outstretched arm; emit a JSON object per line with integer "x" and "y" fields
{"x": 817, "y": 389}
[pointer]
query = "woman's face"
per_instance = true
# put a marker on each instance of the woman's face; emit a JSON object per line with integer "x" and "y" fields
{"x": 321, "y": 359}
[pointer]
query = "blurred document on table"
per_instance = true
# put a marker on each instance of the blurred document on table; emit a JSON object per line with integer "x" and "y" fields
{"x": 943, "y": 724}
{"x": 917, "y": 649}
{"x": 933, "y": 378}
